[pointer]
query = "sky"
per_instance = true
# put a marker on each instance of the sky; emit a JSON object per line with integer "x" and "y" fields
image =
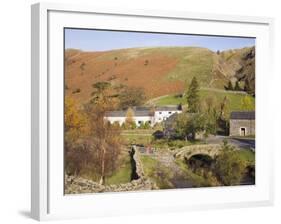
{"x": 101, "y": 40}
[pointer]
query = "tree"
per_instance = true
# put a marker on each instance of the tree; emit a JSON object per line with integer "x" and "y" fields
{"x": 229, "y": 167}
{"x": 229, "y": 86}
{"x": 208, "y": 104}
{"x": 74, "y": 121}
{"x": 192, "y": 96}
{"x": 105, "y": 137}
{"x": 210, "y": 126}
{"x": 247, "y": 103}
{"x": 237, "y": 86}
{"x": 99, "y": 94}
{"x": 144, "y": 125}
{"x": 210, "y": 114}
{"x": 106, "y": 144}
{"x": 187, "y": 125}
{"x": 115, "y": 59}
{"x": 130, "y": 121}
{"x": 223, "y": 108}
{"x": 247, "y": 87}
{"x": 223, "y": 116}
{"x": 131, "y": 96}
{"x": 82, "y": 68}
{"x": 75, "y": 131}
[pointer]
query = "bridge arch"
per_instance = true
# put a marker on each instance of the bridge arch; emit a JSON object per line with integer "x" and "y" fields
{"x": 200, "y": 161}
{"x": 187, "y": 152}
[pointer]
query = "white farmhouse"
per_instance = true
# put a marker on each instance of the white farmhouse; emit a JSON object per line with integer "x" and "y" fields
{"x": 164, "y": 112}
{"x": 143, "y": 115}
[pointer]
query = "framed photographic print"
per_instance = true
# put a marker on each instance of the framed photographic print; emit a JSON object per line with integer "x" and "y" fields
{"x": 148, "y": 111}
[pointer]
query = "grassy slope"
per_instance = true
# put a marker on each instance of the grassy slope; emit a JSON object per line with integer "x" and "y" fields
{"x": 192, "y": 61}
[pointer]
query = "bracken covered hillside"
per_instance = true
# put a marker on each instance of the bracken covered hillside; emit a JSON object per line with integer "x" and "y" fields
{"x": 160, "y": 71}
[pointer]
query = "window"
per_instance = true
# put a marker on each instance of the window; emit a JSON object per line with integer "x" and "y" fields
{"x": 170, "y": 112}
{"x": 160, "y": 112}
{"x": 139, "y": 122}
{"x": 149, "y": 122}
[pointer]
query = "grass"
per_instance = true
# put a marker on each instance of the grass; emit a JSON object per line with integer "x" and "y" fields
{"x": 247, "y": 155}
{"x": 234, "y": 98}
{"x": 123, "y": 174}
{"x": 136, "y": 139}
{"x": 172, "y": 144}
{"x": 197, "y": 180}
{"x": 193, "y": 62}
{"x": 157, "y": 172}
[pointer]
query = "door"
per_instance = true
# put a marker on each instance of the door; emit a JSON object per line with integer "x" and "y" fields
{"x": 243, "y": 131}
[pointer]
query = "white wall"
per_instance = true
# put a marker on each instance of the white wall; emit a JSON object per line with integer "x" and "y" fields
{"x": 15, "y": 111}
{"x": 163, "y": 115}
{"x": 122, "y": 120}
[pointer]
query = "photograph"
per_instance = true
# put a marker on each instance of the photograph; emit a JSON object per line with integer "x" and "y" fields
{"x": 150, "y": 111}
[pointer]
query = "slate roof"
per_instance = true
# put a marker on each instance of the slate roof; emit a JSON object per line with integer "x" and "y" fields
{"x": 140, "y": 111}
{"x": 167, "y": 108}
{"x": 242, "y": 115}
{"x": 122, "y": 113}
{"x": 117, "y": 113}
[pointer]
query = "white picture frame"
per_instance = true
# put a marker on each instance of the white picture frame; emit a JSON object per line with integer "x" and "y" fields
{"x": 48, "y": 201}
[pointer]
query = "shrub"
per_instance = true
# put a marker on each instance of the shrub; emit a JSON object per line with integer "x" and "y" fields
{"x": 77, "y": 90}
{"x": 229, "y": 166}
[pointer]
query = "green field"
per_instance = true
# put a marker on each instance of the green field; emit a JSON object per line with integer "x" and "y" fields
{"x": 123, "y": 173}
{"x": 137, "y": 136}
{"x": 247, "y": 155}
{"x": 234, "y": 98}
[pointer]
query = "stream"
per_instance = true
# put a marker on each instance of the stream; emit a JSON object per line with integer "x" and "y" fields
{"x": 134, "y": 175}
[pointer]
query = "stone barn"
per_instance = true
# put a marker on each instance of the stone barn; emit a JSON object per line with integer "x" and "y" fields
{"x": 242, "y": 123}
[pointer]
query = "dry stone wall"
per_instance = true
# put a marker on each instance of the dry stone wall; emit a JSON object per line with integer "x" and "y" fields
{"x": 75, "y": 185}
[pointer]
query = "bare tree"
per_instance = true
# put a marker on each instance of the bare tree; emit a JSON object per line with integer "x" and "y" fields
{"x": 105, "y": 137}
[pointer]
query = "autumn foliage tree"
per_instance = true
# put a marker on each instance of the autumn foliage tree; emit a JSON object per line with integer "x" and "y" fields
{"x": 75, "y": 129}
{"x": 74, "y": 120}
{"x": 131, "y": 96}
{"x": 130, "y": 121}
{"x": 92, "y": 144}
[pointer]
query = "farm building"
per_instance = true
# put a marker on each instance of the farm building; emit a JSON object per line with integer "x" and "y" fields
{"x": 143, "y": 115}
{"x": 242, "y": 123}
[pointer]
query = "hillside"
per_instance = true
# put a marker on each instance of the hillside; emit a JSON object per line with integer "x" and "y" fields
{"x": 234, "y": 98}
{"x": 160, "y": 71}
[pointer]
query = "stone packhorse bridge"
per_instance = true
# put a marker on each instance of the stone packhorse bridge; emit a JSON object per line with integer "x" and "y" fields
{"x": 188, "y": 151}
